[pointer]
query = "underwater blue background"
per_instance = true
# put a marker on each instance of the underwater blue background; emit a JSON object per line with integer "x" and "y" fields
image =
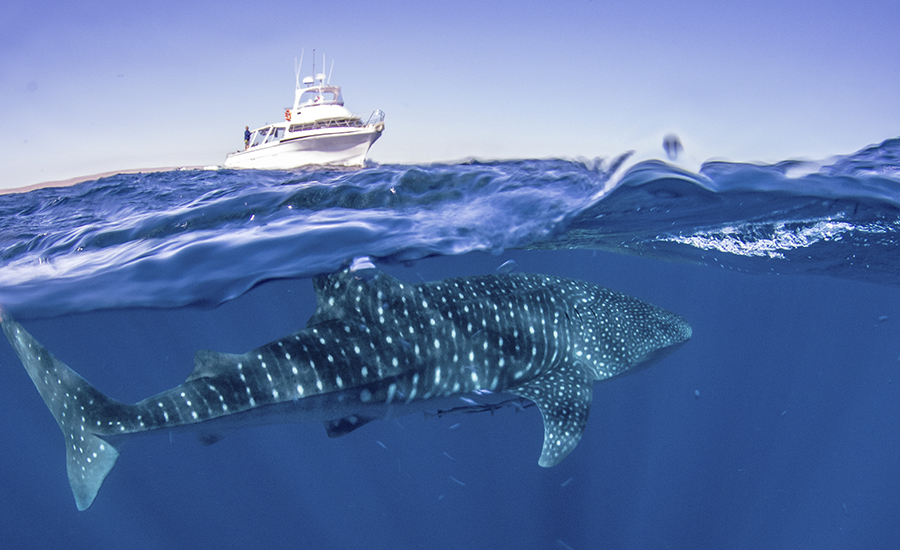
{"x": 776, "y": 426}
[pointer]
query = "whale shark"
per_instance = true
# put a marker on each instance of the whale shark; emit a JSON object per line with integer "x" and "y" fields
{"x": 375, "y": 348}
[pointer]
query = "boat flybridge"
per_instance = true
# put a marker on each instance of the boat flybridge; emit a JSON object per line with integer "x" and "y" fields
{"x": 317, "y": 129}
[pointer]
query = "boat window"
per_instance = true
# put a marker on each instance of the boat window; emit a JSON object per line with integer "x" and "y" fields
{"x": 275, "y": 135}
{"x": 259, "y": 136}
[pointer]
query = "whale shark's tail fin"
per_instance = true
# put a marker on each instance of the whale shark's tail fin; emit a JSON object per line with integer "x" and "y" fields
{"x": 79, "y": 408}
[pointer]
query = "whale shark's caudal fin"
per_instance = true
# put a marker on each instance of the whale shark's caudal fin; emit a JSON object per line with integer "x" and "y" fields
{"x": 80, "y": 410}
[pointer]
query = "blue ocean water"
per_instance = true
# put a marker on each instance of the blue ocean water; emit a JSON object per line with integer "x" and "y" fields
{"x": 776, "y": 426}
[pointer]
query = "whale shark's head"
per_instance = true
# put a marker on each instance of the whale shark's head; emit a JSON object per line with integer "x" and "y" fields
{"x": 624, "y": 334}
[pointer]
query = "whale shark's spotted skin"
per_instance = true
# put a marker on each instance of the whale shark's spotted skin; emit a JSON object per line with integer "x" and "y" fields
{"x": 378, "y": 348}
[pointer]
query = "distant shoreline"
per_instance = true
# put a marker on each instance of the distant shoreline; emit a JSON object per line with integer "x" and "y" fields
{"x": 73, "y": 181}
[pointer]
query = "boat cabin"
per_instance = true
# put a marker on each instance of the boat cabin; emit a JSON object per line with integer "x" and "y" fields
{"x": 318, "y": 95}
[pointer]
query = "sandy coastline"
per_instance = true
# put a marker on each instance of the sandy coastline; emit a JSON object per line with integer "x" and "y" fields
{"x": 79, "y": 179}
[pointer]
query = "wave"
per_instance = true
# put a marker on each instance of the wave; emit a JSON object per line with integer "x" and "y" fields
{"x": 202, "y": 237}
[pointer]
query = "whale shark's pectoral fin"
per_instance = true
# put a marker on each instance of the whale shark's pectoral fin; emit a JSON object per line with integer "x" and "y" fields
{"x": 564, "y": 398}
{"x": 343, "y": 426}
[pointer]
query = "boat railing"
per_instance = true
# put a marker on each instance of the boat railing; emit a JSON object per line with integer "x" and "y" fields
{"x": 376, "y": 117}
{"x": 327, "y": 123}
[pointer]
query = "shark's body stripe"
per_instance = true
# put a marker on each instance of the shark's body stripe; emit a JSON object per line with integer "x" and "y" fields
{"x": 377, "y": 348}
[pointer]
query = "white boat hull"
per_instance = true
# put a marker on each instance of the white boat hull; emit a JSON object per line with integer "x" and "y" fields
{"x": 337, "y": 146}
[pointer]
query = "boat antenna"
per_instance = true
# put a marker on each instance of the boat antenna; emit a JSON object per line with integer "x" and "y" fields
{"x": 330, "y": 70}
{"x": 314, "y": 63}
{"x": 297, "y": 68}
{"x": 297, "y": 91}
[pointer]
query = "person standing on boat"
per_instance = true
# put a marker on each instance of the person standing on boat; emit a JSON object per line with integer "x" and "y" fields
{"x": 246, "y": 137}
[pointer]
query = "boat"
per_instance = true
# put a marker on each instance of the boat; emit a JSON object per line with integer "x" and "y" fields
{"x": 317, "y": 130}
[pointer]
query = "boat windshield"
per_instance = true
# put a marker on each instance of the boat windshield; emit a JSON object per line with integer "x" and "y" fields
{"x": 275, "y": 135}
{"x": 269, "y": 134}
{"x": 319, "y": 96}
{"x": 259, "y": 136}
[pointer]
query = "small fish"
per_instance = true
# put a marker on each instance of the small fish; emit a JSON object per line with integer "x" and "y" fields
{"x": 507, "y": 267}
{"x": 458, "y": 482}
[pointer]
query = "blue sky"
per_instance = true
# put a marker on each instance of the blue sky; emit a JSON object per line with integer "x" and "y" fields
{"x": 89, "y": 87}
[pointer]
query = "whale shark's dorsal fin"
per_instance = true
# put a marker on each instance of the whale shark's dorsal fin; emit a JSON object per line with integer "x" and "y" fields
{"x": 345, "y": 294}
{"x": 338, "y": 297}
